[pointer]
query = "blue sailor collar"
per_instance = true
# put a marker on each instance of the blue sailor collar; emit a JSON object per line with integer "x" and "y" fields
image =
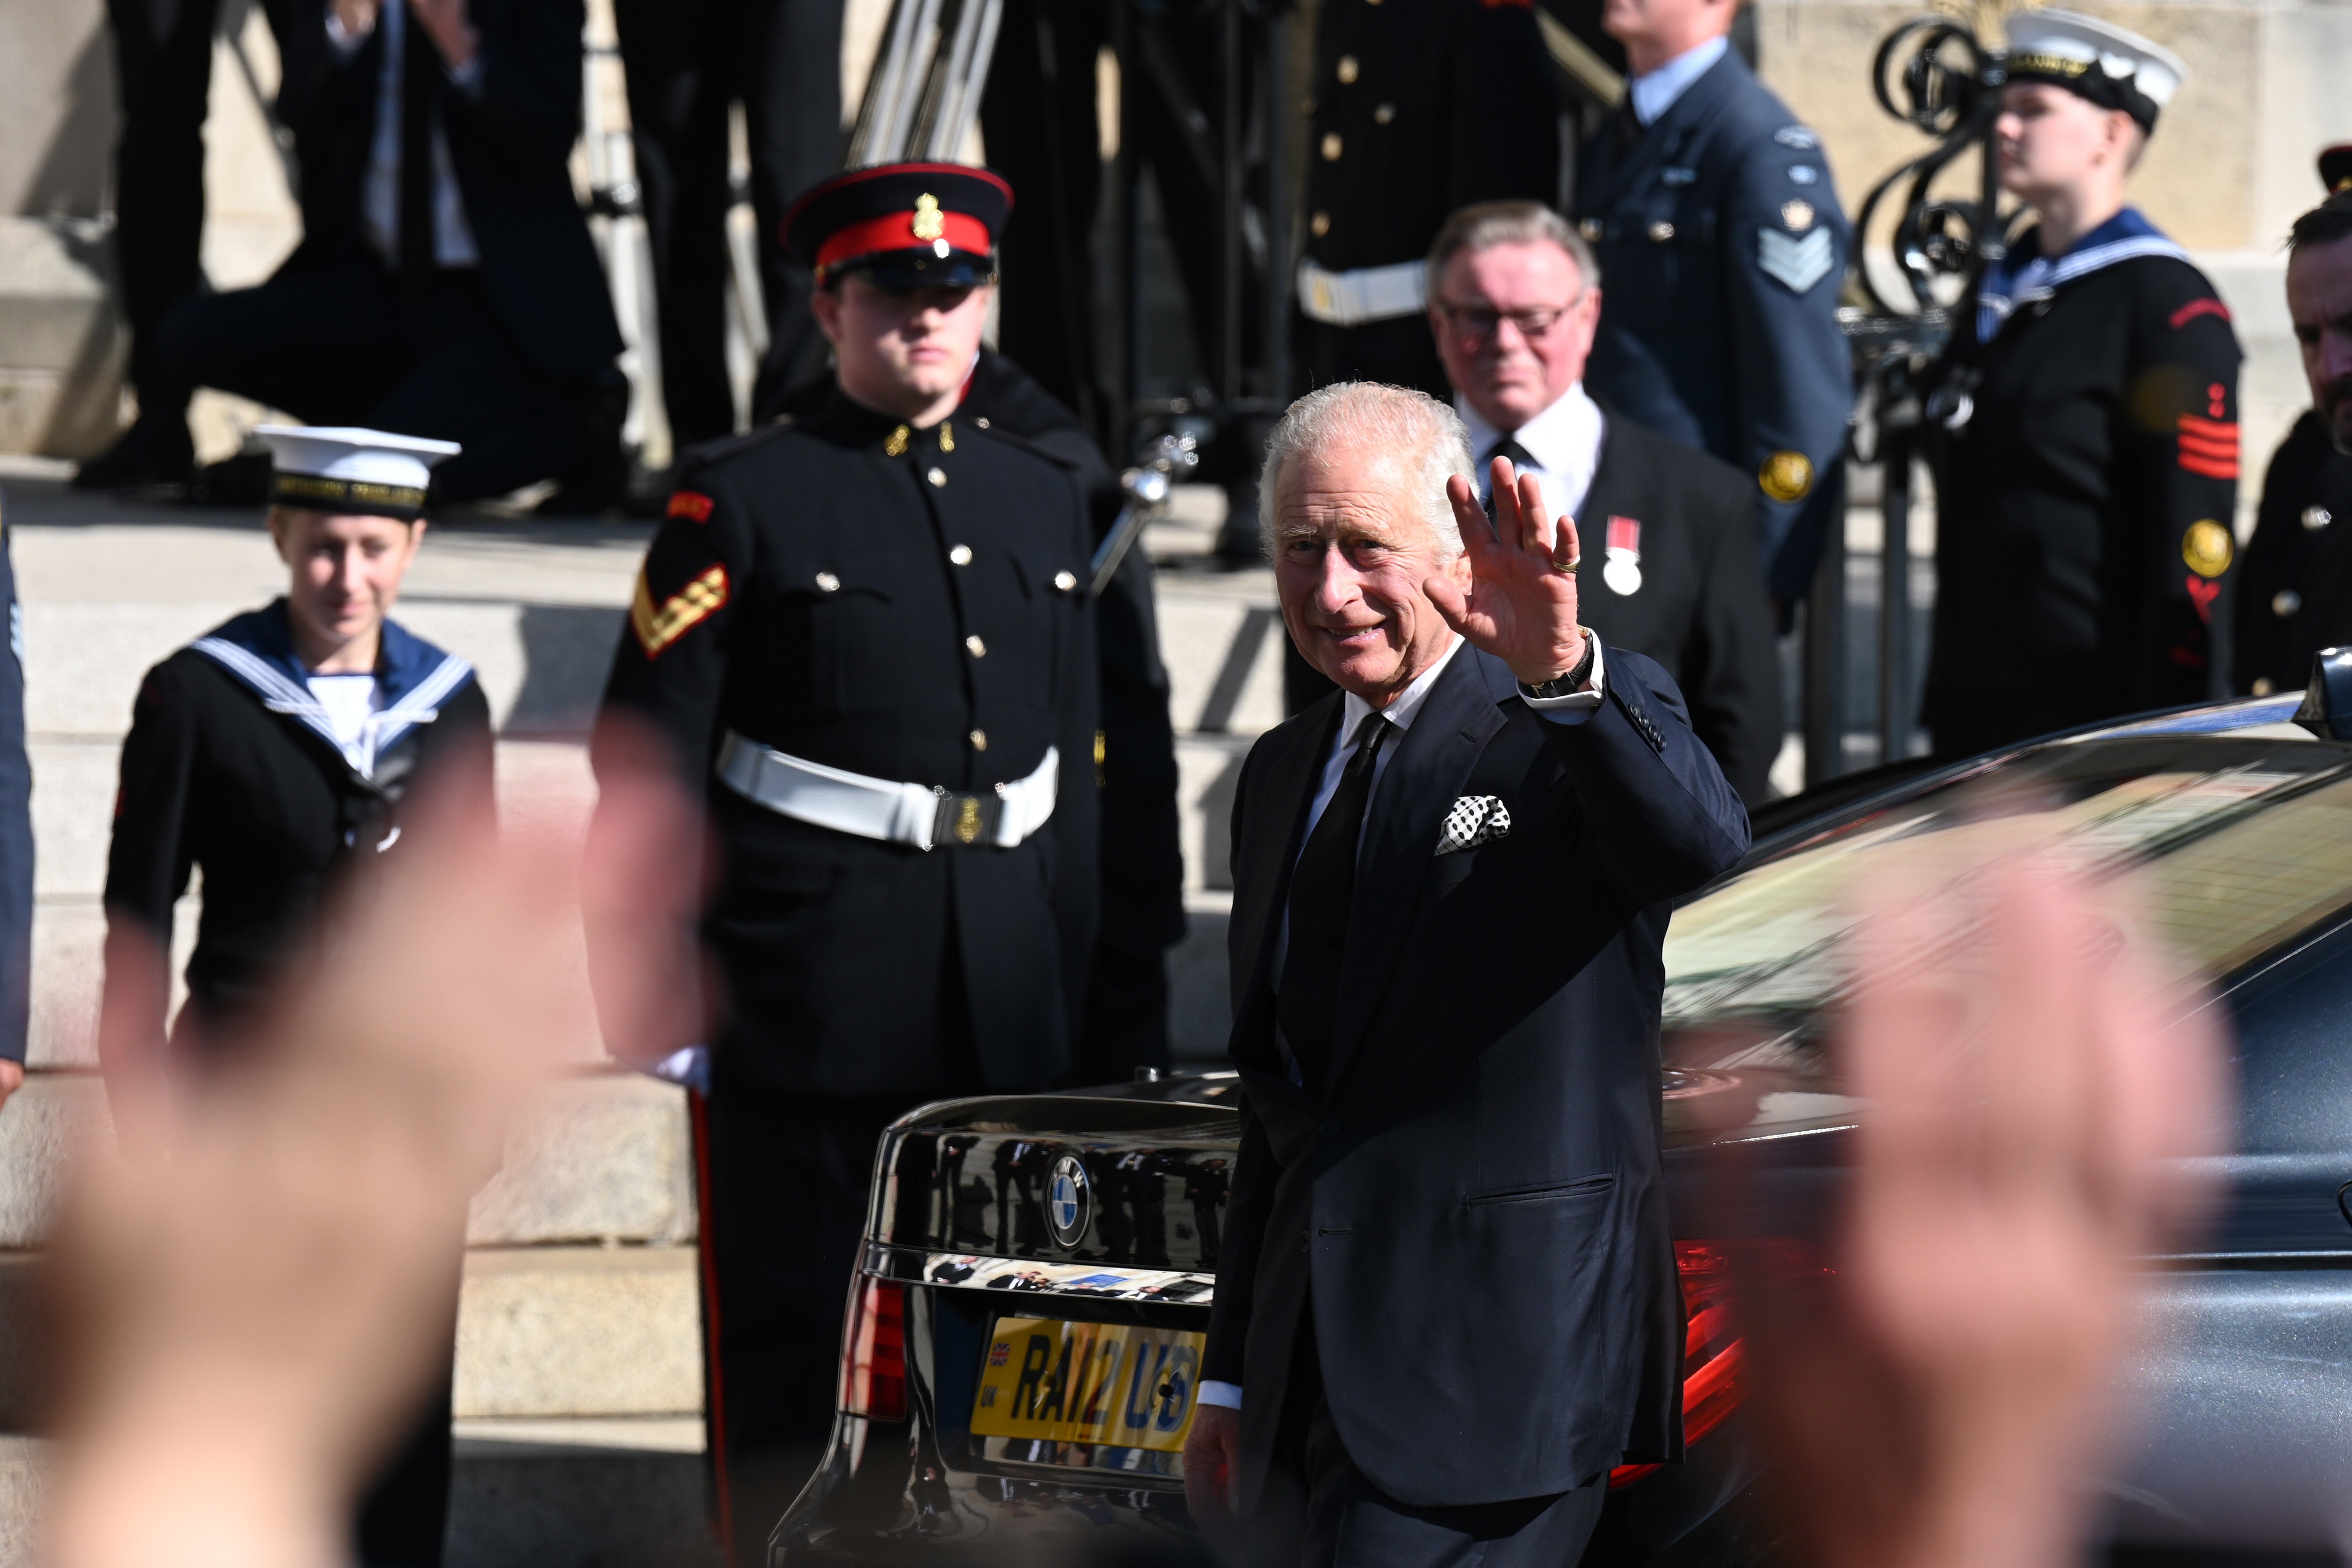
{"x": 416, "y": 678}
{"x": 2025, "y": 275}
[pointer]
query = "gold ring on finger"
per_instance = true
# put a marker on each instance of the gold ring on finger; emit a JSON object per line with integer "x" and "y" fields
{"x": 1565, "y": 567}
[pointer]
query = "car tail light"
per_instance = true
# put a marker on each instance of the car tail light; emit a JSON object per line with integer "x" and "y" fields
{"x": 1715, "y": 1360}
{"x": 874, "y": 1351}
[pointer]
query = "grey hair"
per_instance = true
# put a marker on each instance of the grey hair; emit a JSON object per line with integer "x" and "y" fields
{"x": 1485, "y": 225}
{"x": 1410, "y": 431}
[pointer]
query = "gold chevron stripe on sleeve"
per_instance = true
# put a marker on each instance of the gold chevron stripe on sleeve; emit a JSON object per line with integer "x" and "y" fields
{"x": 678, "y": 614}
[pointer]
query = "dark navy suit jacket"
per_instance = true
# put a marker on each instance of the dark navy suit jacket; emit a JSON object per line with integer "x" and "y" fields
{"x": 1473, "y": 1208}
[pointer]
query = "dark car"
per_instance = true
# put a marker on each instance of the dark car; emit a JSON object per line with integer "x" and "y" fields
{"x": 1026, "y": 1328}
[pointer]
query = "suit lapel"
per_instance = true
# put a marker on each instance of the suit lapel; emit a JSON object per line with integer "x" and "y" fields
{"x": 1270, "y": 829}
{"x": 1461, "y": 715}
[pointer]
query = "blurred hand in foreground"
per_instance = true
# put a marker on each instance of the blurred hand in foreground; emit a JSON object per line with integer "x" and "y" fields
{"x": 2036, "y": 1093}
{"x": 248, "y": 1321}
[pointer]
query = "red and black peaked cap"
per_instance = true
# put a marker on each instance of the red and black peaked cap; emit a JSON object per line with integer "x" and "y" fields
{"x": 905, "y": 225}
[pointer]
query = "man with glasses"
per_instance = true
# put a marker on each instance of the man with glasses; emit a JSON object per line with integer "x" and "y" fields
{"x": 1514, "y": 304}
{"x": 1714, "y": 210}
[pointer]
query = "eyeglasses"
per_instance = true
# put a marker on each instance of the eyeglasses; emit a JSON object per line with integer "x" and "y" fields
{"x": 1478, "y": 323}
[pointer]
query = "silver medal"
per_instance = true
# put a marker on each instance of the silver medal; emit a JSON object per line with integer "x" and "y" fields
{"x": 1622, "y": 573}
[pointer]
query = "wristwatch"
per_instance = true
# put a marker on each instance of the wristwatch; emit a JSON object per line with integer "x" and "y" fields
{"x": 1567, "y": 685}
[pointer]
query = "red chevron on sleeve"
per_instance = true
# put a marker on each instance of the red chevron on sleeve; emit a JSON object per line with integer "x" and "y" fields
{"x": 2209, "y": 446}
{"x": 2208, "y": 306}
{"x": 691, "y": 504}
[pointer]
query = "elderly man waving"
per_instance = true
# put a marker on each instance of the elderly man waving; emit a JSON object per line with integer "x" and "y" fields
{"x": 1446, "y": 1306}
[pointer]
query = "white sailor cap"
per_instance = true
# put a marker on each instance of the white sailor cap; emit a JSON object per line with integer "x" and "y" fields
{"x": 2111, "y": 66}
{"x": 371, "y": 473}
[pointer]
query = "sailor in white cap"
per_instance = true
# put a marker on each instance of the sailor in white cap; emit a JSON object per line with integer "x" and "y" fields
{"x": 275, "y": 753}
{"x": 2086, "y": 420}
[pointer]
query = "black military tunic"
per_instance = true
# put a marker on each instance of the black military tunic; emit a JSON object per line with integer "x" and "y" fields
{"x": 908, "y": 605}
{"x": 2084, "y": 526}
{"x": 230, "y": 768}
{"x": 1420, "y": 107}
{"x": 1142, "y": 913}
{"x": 2294, "y": 590}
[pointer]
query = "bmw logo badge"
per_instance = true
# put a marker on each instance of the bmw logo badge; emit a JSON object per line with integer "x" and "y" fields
{"x": 1069, "y": 1202}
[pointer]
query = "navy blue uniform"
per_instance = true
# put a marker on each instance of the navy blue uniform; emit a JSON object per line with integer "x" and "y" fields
{"x": 1722, "y": 247}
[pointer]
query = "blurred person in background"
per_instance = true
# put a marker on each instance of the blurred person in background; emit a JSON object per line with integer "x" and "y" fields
{"x": 2086, "y": 423}
{"x": 276, "y": 755}
{"x": 1515, "y": 301}
{"x": 689, "y": 63}
{"x": 445, "y": 285}
{"x": 1712, "y": 211}
{"x": 163, "y": 77}
{"x": 866, "y": 639}
{"x": 2294, "y": 585}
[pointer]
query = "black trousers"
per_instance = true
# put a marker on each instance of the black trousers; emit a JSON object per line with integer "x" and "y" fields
{"x": 1318, "y": 1510}
{"x": 1125, "y": 1018}
{"x": 343, "y": 344}
{"x": 688, "y": 60}
{"x": 163, "y": 72}
{"x": 404, "y": 1513}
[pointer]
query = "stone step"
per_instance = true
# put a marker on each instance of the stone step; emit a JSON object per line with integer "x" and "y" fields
{"x": 550, "y": 1332}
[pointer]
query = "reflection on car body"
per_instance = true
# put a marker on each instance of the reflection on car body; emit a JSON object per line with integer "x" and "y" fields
{"x": 1014, "y": 1374}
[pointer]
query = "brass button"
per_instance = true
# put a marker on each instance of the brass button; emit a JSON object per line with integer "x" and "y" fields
{"x": 1660, "y": 232}
{"x": 1331, "y": 146}
{"x": 1384, "y": 114}
{"x": 1592, "y": 228}
{"x": 1347, "y": 71}
{"x": 982, "y": 422}
{"x": 1320, "y": 224}
{"x": 978, "y": 648}
{"x": 1065, "y": 581}
{"x": 2285, "y": 603}
{"x": 979, "y": 740}
{"x": 961, "y": 554}
{"x": 936, "y": 479}
{"x": 827, "y": 582}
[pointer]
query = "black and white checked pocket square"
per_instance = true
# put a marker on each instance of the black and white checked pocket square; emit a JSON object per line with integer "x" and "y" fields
{"x": 1475, "y": 819}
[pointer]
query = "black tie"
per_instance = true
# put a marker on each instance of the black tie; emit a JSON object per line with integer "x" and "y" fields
{"x": 1521, "y": 461}
{"x": 1322, "y": 887}
{"x": 416, "y": 256}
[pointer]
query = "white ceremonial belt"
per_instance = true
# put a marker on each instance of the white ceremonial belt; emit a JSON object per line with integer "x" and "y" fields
{"x": 924, "y": 815}
{"x": 1365, "y": 294}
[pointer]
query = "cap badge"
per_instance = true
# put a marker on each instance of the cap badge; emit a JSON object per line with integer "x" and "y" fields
{"x": 928, "y": 223}
{"x": 1786, "y": 475}
{"x": 2206, "y": 548}
{"x": 1797, "y": 215}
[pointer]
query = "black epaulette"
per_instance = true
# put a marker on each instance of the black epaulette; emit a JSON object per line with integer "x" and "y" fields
{"x": 1026, "y": 443}
{"x": 718, "y": 449}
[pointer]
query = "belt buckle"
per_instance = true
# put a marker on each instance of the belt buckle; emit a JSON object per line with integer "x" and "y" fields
{"x": 965, "y": 820}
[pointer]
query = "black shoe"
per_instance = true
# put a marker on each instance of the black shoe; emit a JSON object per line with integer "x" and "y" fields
{"x": 241, "y": 480}
{"x": 596, "y": 485}
{"x": 155, "y": 451}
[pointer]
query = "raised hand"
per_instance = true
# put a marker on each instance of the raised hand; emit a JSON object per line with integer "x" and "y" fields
{"x": 1521, "y": 607}
{"x": 452, "y": 32}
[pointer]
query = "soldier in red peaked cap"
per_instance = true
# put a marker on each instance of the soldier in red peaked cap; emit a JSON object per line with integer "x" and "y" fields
{"x": 864, "y": 636}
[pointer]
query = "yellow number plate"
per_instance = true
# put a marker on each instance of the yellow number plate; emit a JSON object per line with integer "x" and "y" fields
{"x": 1088, "y": 1383}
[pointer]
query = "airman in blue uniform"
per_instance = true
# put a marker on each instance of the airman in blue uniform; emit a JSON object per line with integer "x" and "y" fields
{"x": 1714, "y": 218}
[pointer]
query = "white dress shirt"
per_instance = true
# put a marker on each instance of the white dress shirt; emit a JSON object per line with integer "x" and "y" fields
{"x": 1400, "y": 713}
{"x": 453, "y": 236}
{"x": 1564, "y": 441}
{"x": 1654, "y": 93}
